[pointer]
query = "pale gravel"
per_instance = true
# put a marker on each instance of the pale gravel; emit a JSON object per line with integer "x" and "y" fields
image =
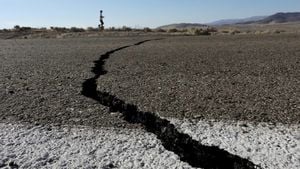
{"x": 272, "y": 146}
{"x": 84, "y": 147}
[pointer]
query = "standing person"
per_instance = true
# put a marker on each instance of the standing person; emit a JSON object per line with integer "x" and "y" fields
{"x": 101, "y": 26}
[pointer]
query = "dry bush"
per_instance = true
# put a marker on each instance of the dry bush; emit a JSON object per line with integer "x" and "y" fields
{"x": 91, "y": 29}
{"x": 111, "y": 29}
{"x": 212, "y": 29}
{"x": 160, "y": 30}
{"x": 203, "y": 32}
{"x": 225, "y": 31}
{"x": 75, "y": 29}
{"x": 172, "y": 30}
{"x": 198, "y": 31}
{"x": 25, "y": 28}
{"x": 193, "y": 31}
{"x": 58, "y": 29}
{"x": 17, "y": 27}
{"x": 278, "y": 31}
{"x": 184, "y": 30}
{"x": 231, "y": 31}
{"x": 20, "y": 29}
{"x": 122, "y": 29}
{"x": 147, "y": 29}
{"x": 234, "y": 31}
{"x": 125, "y": 28}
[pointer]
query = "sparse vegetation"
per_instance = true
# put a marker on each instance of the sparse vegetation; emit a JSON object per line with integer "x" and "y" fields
{"x": 60, "y": 32}
{"x": 201, "y": 32}
{"x": 25, "y": 29}
{"x": 17, "y": 27}
{"x": 212, "y": 29}
{"x": 278, "y": 31}
{"x": 91, "y": 29}
{"x": 160, "y": 30}
{"x": 235, "y": 31}
{"x": 58, "y": 29}
{"x": 172, "y": 30}
{"x": 75, "y": 29}
{"x": 111, "y": 29}
{"x": 147, "y": 29}
{"x": 125, "y": 28}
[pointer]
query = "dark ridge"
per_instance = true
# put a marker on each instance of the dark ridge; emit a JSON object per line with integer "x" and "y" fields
{"x": 277, "y": 18}
{"x": 189, "y": 150}
{"x": 282, "y": 18}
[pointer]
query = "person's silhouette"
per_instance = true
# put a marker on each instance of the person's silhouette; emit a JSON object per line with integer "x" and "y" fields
{"x": 101, "y": 21}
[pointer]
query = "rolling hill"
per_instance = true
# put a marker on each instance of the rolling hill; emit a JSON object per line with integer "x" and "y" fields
{"x": 235, "y": 21}
{"x": 278, "y": 18}
{"x": 272, "y": 19}
{"x": 183, "y": 26}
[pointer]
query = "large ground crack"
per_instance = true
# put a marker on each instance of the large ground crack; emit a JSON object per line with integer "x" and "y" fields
{"x": 189, "y": 150}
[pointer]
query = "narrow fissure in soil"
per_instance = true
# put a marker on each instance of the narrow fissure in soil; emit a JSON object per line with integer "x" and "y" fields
{"x": 189, "y": 150}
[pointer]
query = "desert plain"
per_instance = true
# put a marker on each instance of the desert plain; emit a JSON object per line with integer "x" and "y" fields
{"x": 236, "y": 81}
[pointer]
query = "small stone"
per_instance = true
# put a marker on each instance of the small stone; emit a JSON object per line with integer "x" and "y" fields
{"x": 113, "y": 113}
{"x": 200, "y": 116}
{"x": 244, "y": 125}
{"x": 109, "y": 166}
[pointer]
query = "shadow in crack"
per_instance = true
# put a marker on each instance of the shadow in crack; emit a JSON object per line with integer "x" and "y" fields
{"x": 189, "y": 150}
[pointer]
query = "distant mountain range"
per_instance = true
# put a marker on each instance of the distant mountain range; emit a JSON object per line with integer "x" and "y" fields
{"x": 235, "y": 21}
{"x": 183, "y": 26}
{"x": 276, "y": 18}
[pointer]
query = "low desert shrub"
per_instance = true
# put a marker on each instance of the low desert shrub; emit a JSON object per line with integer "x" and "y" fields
{"x": 160, "y": 30}
{"x": 58, "y": 29}
{"x": 25, "y": 29}
{"x": 125, "y": 28}
{"x": 111, "y": 29}
{"x": 172, "y": 30}
{"x": 234, "y": 31}
{"x": 212, "y": 29}
{"x": 198, "y": 31}
{"x": 74, "y": 29}
{"x": 147, "y": 29}
{"x": 17, "y": 27}
{"x": 20, "y": 29}
{"x": 91, "y": 29}
{"x": 277, "y": 31}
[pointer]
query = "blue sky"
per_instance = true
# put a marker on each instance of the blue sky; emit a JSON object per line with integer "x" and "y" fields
{"x": 133, "y": 13}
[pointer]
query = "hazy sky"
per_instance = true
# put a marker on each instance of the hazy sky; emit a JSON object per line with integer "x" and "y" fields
{"x": 133, "y": 13}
